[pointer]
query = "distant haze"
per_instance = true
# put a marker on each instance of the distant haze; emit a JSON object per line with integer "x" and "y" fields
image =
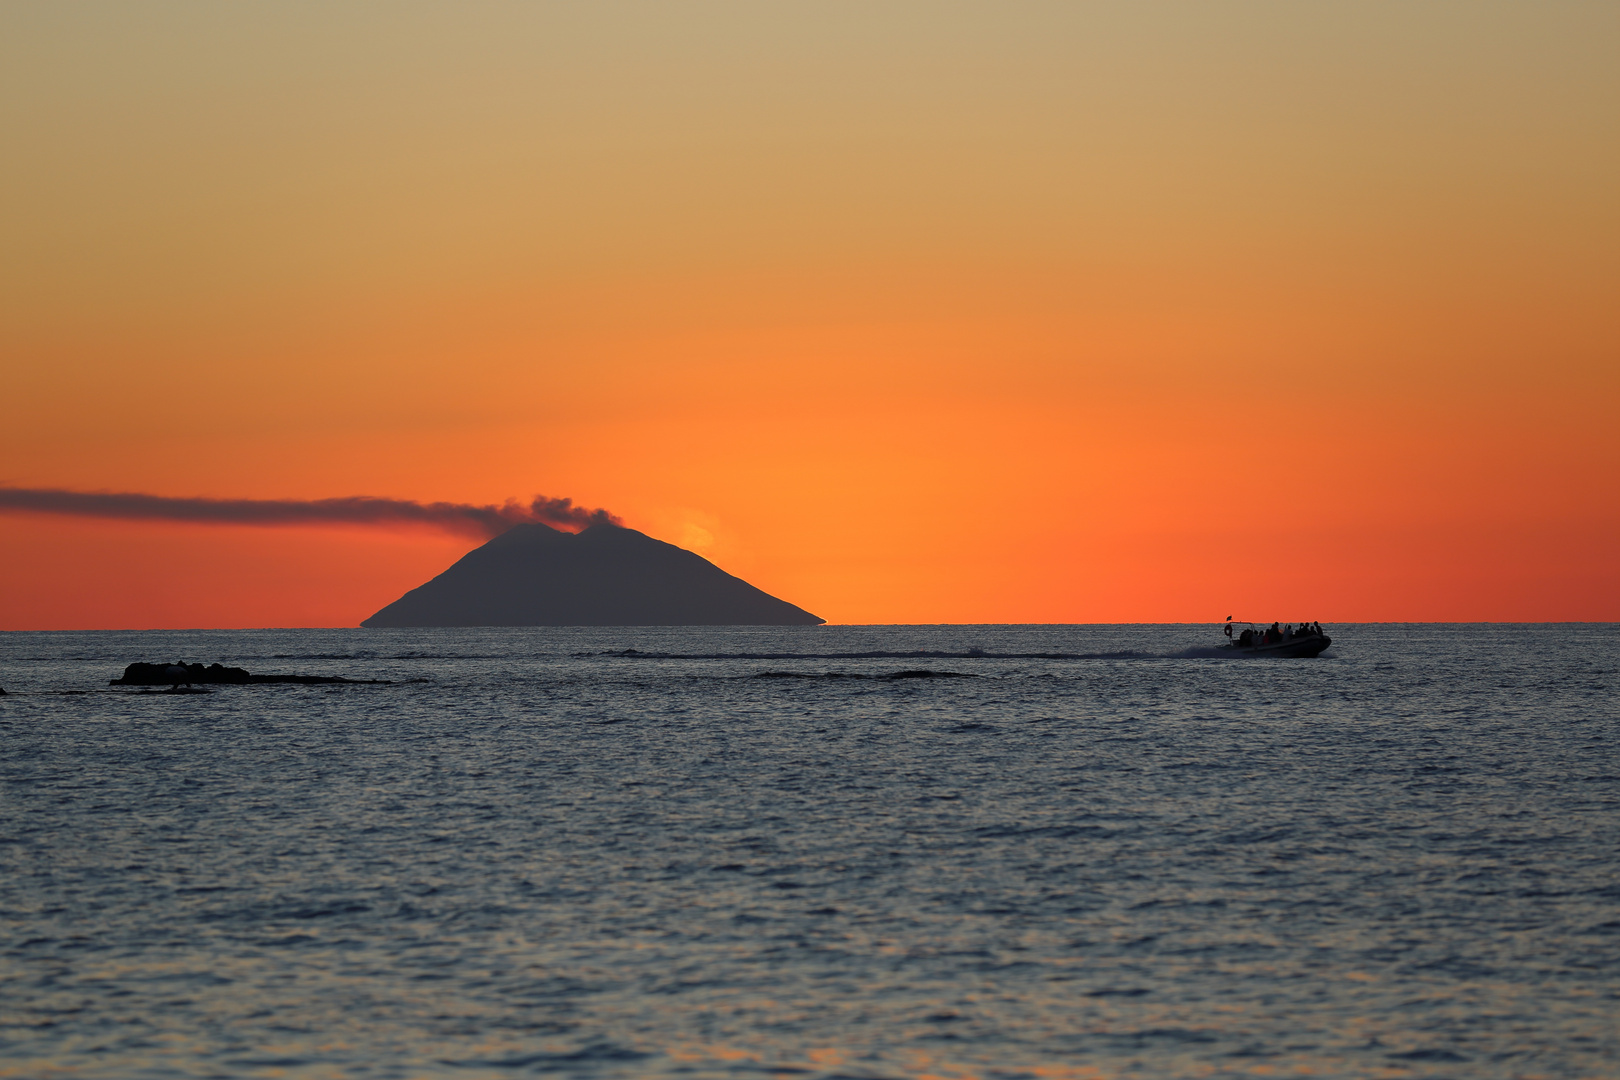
{"x": 912, "y": 311}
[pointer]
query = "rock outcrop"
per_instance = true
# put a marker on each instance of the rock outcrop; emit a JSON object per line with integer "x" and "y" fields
{"x": 607, "y": 575}
{"x": 179, "y": 674}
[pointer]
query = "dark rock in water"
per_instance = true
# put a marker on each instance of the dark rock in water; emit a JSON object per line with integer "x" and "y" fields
{"x": 534, "y": 575}
{"x": 178, "y": 674}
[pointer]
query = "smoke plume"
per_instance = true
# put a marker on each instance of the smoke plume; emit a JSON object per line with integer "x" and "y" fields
{"x": 483, "y": 522}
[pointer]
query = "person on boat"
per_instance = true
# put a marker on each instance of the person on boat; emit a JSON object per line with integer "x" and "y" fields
{"x": 1274, "y": 635}
{"x": 1246, "y": 639}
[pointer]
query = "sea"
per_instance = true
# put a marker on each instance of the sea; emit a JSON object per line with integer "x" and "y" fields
{"x": 814, "y": 852}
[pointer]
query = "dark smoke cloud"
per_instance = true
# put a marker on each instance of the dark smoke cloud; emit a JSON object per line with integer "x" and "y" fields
{"x": 480, "y": 521}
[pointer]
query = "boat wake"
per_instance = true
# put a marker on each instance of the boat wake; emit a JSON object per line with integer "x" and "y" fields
{"x": 1196, "y": 653}
{"x": 925, "y": 673}
{"x": 1202, "y": 652}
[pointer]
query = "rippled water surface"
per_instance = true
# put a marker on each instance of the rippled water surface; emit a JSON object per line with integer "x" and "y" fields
{"x": 757, "y": 852}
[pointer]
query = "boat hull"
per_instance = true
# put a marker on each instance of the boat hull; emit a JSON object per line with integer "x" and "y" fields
{"x": 1306, "y": 646}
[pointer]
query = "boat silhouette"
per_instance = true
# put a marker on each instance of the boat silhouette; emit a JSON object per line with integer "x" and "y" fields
{"x": 1275, "y": 640}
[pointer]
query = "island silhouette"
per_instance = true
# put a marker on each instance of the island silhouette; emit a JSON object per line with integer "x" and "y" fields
{"x": 605, "y": 575}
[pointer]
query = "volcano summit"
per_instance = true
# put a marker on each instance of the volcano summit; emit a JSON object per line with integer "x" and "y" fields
{"x": 607, "y": 575}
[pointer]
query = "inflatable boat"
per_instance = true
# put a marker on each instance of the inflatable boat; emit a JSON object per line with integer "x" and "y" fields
{"x": 1274, "y": 640}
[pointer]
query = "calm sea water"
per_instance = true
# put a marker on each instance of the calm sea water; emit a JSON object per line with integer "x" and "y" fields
{"x": 753, "y": 852}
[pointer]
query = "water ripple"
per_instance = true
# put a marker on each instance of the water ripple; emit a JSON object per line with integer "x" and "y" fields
{"x": 812, "y": 852}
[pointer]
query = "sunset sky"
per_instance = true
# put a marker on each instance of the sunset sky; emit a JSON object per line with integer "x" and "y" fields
{"x": 904, "y": 312}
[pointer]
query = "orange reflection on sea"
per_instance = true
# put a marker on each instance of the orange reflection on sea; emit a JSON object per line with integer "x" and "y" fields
{"x": 694, "y": 1053}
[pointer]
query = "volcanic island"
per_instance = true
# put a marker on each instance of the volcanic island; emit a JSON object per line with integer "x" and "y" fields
{"x": 606, "y": 575}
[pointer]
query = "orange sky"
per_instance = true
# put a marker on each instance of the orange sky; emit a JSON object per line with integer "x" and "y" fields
{"x": 906, "y": 312}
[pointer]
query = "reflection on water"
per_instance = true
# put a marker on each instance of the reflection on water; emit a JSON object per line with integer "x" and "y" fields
{"x": 1105, "y": 856}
